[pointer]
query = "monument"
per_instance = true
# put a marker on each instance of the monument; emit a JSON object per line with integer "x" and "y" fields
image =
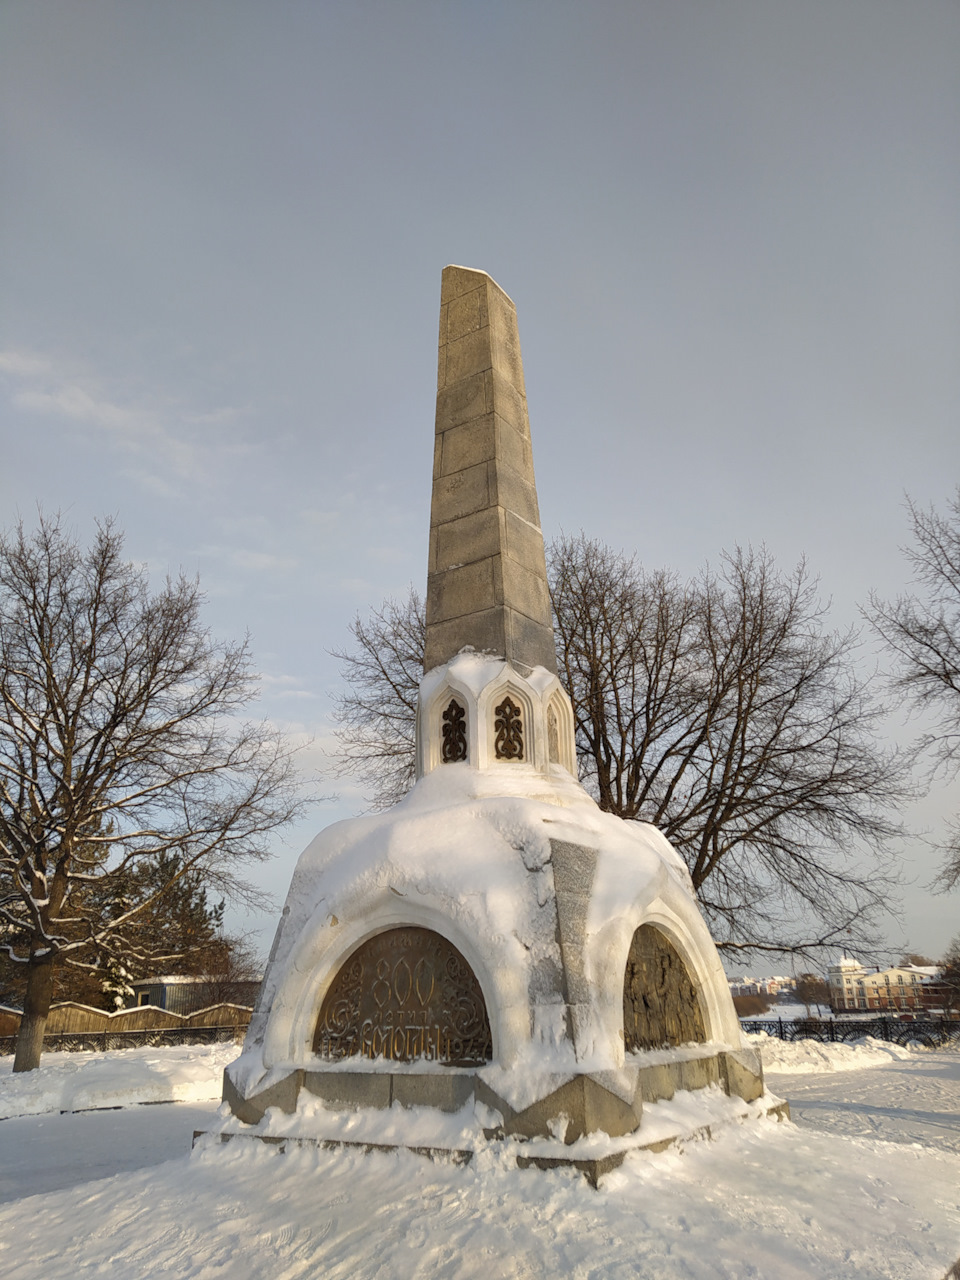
{"x": 494, "y": 939}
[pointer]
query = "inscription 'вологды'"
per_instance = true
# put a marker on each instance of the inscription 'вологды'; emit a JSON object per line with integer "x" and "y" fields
{"x": 405, "y": 994}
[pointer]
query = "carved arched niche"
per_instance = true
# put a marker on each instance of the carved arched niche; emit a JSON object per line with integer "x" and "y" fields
{"x": 405, "y": 994}
{"x": 661, "y": 1006}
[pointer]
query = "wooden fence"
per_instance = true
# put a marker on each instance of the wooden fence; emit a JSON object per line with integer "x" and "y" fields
{"x": 95, "y": 1028}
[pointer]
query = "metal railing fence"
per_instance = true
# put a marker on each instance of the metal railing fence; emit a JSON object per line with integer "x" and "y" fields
{"x": 100, "y": 1041}
{"x": 932, "y": 1033}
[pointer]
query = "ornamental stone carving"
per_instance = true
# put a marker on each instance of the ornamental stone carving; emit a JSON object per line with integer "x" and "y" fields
{"x": 508, "y": 744}
{"x": 661, "y": 1006}
{"x": 454, "y": 733}
{"x": 405, "y": 994}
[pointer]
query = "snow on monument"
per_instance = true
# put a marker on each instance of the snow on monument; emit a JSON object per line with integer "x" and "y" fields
{"x": 494, "y": 937}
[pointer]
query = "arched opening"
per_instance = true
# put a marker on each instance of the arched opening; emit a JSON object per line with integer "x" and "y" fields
{"x": 405, "y": 994}
{"x": 661, "y": 1006}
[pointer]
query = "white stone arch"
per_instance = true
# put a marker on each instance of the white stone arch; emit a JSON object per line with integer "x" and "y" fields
{"x": 687, "y": 933}
{"x": 508, "y": 684}
{"x": 323, "y": 949}
{"x": 431, "y": 723}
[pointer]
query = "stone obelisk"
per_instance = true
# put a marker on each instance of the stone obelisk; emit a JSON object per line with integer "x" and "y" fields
{"x": 494, "y": 926}
{"x": 487, "y": 578}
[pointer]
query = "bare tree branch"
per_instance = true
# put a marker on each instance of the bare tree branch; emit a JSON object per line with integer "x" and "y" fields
{"x": 119, "y": 747}
{"x": 922, "y": 632}
{"x": 720, "y": 710}
{"x": 377, "y": 715}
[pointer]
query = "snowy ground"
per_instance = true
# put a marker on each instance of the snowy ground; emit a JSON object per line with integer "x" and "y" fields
{"x": 865, "y": 1184}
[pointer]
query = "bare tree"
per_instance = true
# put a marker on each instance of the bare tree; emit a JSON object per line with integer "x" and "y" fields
{"x": 377, "y": 714}
{"x": 949, "y": 979}
{"x": 725, "y": 713}
{"x": 812, "y": 989}
{"x": 923, "y": 633}
{"x": 720, "y": 710}
{"x": 119, "y": 746}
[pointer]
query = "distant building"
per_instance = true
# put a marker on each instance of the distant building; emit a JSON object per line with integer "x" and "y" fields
{"x": 747, "y": 986}
{"x": 184, "y": 995}
{"x": 905, "y": 988}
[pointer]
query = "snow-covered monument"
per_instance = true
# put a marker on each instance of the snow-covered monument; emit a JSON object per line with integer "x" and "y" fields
{"x": 494, "y": 936}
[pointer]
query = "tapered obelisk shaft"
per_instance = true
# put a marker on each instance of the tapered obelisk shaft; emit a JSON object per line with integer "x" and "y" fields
{"x": 487, "y": 577}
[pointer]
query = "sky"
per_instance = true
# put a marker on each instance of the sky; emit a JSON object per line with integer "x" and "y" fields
{"x": 730, "y": 230}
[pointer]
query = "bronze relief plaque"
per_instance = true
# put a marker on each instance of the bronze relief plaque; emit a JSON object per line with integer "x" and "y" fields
{"x": 403, "y": 995}
{"x": 661, "y": 1007}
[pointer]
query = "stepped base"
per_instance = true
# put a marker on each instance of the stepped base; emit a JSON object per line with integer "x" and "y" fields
{"x": 546, "y": 1153}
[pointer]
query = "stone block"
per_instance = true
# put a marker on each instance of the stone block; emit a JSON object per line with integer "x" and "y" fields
{"x": 505, "y": 339}
{"x": 432, "y": 552}
{"x": 524, "y": 590}
{"x": 523, "y": 543}
{"x": 460, "y": 494}
{"x": 445, "y": 1092}
{"x": 485, "y": 631}
{"x": 466, "y": 356}
{"x": 457, "y": 593}
{"x": 574, "y": 867}
{"x": 545, "y": 984}
{"x": 587, "y": 1106}
{"x": 473, "y": 537}
{"x": 484, "y": 1094}
{"x": 468, "y": 445}
{"x": 464, "y": 401}
{"x": 251, "y": 1110}
{"x": 514, "y": 449}
{"x": 466, "y": 313}
{"x": 507, "y": 402}
{"x": 456, "y": 281}
{"x": 529, "y": 643}
{"x": 742, "y": 1074}
{"x": 515, "y": 493}
{"x": 592, "y": 1169}
{"x": 352, "y": 1089}
{"x": 660, "y": 1081}
{"x": 699, "y": 1073}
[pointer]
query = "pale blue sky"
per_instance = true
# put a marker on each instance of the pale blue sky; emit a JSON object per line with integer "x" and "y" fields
{"x": 731, "y": 232}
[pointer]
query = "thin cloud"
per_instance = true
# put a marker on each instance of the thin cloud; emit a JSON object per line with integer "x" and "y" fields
{"x": 249, "y": 559}
{"x": 40, "y": 385}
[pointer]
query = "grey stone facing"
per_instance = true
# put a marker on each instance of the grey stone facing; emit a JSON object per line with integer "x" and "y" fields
{"x": 525, "y": 592}
{"x": 587, "y": 1106}
{"x": 461, "y": 494}
{"x": 742, "y": 1073}
{"x": 468, "y": 445}
{"x": 516, "y": 493}
{"x": 378, "y": 1090}
{"x": 282, "y": 1094}
{"x": 524, "y": 636}
{"x": 445, "y": 1092}
{"x": 592, "y": 1169}
{"x": 473, "y": 537}
{"x": 699, "y": 1073}
{"x": 659, "y": 1082}
{"x": 466, "y": 400}
{"x": 353, "y": 1089}
{"x": 460, "y": 592}
{"x": 484, "y": 510}
{"x": 492, "y": 1099}
{"x": 487, "y": 629}
{"x": 574, "y": 868}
